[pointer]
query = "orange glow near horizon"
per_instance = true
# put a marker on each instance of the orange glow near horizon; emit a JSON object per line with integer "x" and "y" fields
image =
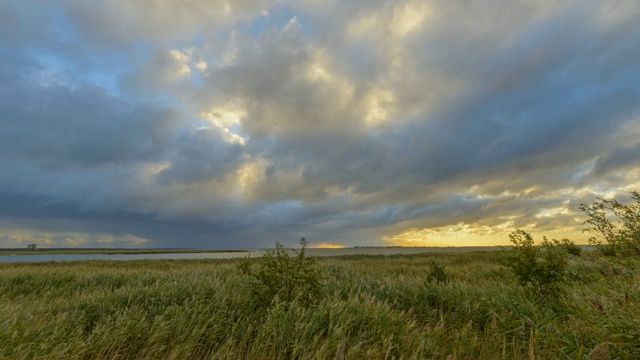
{"x": 325, "y": 245}
{"x": 462, "y": 235}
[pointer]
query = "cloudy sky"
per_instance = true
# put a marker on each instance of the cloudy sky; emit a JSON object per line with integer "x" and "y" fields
{"x": 235, "y": 124}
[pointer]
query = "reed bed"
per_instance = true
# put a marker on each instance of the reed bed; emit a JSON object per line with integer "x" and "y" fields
{"x": 373, "y": 307}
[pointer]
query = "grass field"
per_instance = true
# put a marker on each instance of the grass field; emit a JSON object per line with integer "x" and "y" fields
{"x": 373, "y": 307}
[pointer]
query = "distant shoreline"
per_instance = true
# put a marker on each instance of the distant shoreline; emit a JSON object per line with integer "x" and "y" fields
{"x": 76, "y": 251}
{"x": 122, "y": 251}
{"x": 356, "y": 250}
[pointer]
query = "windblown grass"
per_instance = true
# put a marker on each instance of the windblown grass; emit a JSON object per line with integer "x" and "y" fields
{"x": 374, "y": 307}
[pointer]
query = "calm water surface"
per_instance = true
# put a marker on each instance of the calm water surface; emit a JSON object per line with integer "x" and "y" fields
{"x": 81, "y": 257}
{"x": 229, "y": 255}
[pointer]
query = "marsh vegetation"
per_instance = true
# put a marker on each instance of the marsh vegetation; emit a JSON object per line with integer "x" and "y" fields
{"x": 370, "y": 307}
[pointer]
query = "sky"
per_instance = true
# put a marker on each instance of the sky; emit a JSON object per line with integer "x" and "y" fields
{"x": 236, "y": 124}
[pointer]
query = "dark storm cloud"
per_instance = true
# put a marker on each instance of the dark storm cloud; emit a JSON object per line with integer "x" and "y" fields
{"x": 211, "y": 126}
{"x": 618, "y": 158}
{"x": 201, "y": 155}
{"x": 61, "y": 126}
{"x": 122, "y": 23}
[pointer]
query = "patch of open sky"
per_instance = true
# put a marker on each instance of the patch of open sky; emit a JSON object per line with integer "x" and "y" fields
{"x": 51, "y": 69}
{"x": 60, "y": 28}
{"x": 259, "y": 24}
{"x": 57, "y": 70}
{"x": 106, "y": 81}
{"x": 108, "y": 68}
{"x": 276, "y": 18}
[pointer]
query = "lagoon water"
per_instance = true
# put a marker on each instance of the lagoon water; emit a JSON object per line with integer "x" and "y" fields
{"x": 228, "y": 255}
{"x": 83, "y": 257}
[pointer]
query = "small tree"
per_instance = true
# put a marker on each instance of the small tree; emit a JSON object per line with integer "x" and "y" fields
{"x": 542, "y": 267}
{"x": 284, "y": 278}
{"x": 617, "y": 237}
{"x": 436, "y": 273}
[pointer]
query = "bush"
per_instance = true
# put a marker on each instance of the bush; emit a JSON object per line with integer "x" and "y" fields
{"x": 436, "y": 273}
{"x": 284, "y": 278}
{"x": 618, "y": 237}
{"x": 570, "y": 247}
{"x": 542, "y": 267}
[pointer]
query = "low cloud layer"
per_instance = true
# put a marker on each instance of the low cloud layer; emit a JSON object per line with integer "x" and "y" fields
{"x": 191, "y": 124}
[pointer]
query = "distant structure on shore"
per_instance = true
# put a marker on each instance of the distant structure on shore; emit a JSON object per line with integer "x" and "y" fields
{"x": 32, "y": 247}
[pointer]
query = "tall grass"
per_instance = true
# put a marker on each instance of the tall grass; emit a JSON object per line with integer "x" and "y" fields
{"x": 373, "y": 307}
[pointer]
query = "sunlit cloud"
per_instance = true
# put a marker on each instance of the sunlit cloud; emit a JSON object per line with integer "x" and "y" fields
{"x": 409, "y": 17}
{"x": 243, "y": 123}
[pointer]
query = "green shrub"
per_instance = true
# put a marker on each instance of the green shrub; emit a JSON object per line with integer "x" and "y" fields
{"x": 284, "y": 278}
{"x": 436, "y": 273}
{"x": 570, "y": 247}
{"x": 618, "y": 237}
{"x": 542, "y": 267}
